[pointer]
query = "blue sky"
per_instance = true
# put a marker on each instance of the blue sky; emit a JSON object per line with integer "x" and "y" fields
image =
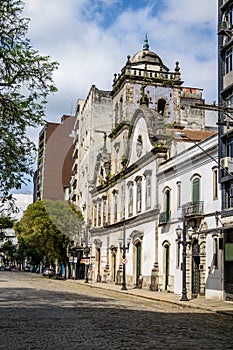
{"x": 108, "y": 11}
{"x": 92, "y": 38}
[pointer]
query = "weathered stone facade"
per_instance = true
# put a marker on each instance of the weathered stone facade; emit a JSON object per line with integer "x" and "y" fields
{"x": 147, "y": 106}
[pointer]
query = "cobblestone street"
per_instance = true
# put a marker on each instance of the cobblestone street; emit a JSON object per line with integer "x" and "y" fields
{"x": 40, "y": 313}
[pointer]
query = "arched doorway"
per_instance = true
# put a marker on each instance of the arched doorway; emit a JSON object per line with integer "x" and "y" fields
{"x": 166, "y": 264}
{"x": 98, "y": 259}
{"x": 113, "y": 263}
{"x": 195, "y": 268}
{"x": 167, "y": 251}
{"x": 138, "y": 261}
{"x": 137, "y": 239}
{"x": 98, "y": 245}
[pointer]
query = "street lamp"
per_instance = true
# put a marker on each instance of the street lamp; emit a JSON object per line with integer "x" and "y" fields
{"x": 124, "y": 248}
{"x": 182, "y": 239}
{"x": 87, "y": 262}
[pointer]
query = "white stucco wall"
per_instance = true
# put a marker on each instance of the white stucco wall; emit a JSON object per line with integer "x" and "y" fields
{"x": 182, "y": 169}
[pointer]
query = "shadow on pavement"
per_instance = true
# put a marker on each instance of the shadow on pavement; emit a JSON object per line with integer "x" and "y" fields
{"x": 39, "y": 319}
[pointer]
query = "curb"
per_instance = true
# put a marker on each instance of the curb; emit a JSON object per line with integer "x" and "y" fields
{"x": 178, "y": 303}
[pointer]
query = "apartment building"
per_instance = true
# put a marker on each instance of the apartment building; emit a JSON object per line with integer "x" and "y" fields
{"x": 55, "y": 149}
{"x": 225, "y": 102}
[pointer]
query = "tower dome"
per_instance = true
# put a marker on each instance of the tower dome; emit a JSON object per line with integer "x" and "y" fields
{"x": 150, "y": 58}
{"x": 145, "y": 68}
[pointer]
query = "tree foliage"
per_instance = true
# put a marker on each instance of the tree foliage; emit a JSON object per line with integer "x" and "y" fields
{"x": 25, "y": 83}
{"x": 8, "y": 251}
{"x": 46, "y": 229}
{"x": 6, "y": 222}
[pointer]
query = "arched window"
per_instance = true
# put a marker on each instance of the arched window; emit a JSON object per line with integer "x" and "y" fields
{"x": 161, "y": 106}
{"x": 167, "y": 203}
{"x": 130, "y": 198}
{"x": 215, "y": 183}
{"x": 104, "y": 210}
{"x": 196, "y": 194}
{"x": 139, "y": 146}
{"x": 120, "y": 110}
{"x": 99, "y": 213}
{"x": 178, "y": 194}
{"x": 115, "y": 205}
{"x": 148, "y": 190}
{"x": 139, "y": 194}
{"x": 94, "y": 214}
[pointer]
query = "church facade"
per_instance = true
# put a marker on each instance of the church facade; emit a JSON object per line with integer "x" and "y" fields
{"x": 127, "y": 174}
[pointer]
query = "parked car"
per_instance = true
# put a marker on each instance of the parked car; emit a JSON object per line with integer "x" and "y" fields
{"x": 7, "y": 268}
{"x": 34, "y": 269}
{"x": 26, "y": 269}
{"x": 2, "y": 267}
{"x": 48, "y": 272}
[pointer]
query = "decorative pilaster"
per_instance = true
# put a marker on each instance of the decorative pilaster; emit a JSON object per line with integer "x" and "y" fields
{"x": 155, "y": 277}
{"x": 119, "y": 275}
{"x": 202, "y": 266}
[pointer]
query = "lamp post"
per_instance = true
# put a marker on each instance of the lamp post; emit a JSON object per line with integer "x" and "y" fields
{"x": 124, "y": 248}
{"x": 184, "y": 242}
{"x": 86, "y": 252}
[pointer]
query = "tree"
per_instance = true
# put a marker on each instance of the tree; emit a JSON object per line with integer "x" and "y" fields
{"x": 46, "y": 229}
{"x": 25, "y": 83}
{"x": 8, "y": 248}
{"x": 5, "y": 223}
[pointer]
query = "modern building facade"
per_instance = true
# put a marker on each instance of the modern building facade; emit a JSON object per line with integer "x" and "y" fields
{"x": 55, "y": 149}
{"x": 225, "y": 102}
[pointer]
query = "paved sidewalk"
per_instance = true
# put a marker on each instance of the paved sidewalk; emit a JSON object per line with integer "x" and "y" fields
{"x": 220, "y": 306}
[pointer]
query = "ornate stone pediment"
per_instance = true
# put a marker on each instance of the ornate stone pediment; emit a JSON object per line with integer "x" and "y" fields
{"x": 113, "y": 249}
{"x": 136, "y": 236}
{"x": 98, "y": 243}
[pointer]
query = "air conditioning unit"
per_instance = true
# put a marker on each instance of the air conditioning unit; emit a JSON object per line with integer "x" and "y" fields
{"x": 224, "y": 162}
{"x": 223, "y": 28}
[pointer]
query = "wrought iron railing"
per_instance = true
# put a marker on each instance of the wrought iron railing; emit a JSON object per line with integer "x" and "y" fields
{"x": 164, "y": 217}
{"x": 193, "y": 208}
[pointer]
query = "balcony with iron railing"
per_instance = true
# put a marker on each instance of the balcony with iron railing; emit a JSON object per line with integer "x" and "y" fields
{"x": 164, "y": 217}
{"x": 224, "y": 28}
{"x": 193, "y": 209}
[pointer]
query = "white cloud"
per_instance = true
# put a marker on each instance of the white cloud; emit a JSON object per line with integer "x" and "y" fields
{"x": 92, "y": 38}
{"x": 73, "y": 33}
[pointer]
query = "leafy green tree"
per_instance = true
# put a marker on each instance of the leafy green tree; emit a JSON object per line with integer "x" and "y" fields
{"x": 46, "y": 229}
{"x": 8, "y": 251}
{"x": 5, "y": 223}
{"x": 25, "y": 83}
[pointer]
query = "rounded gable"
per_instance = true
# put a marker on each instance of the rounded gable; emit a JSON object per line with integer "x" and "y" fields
{"x": 146, "y": 56}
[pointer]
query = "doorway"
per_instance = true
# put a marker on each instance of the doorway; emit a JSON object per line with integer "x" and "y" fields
{"x": 166, "y": 261}
{"x": 138, "y": 261}
{"x": 114, "y": 266}
{"x": 98, "y": 258}
{"x": 195, "y": 269}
